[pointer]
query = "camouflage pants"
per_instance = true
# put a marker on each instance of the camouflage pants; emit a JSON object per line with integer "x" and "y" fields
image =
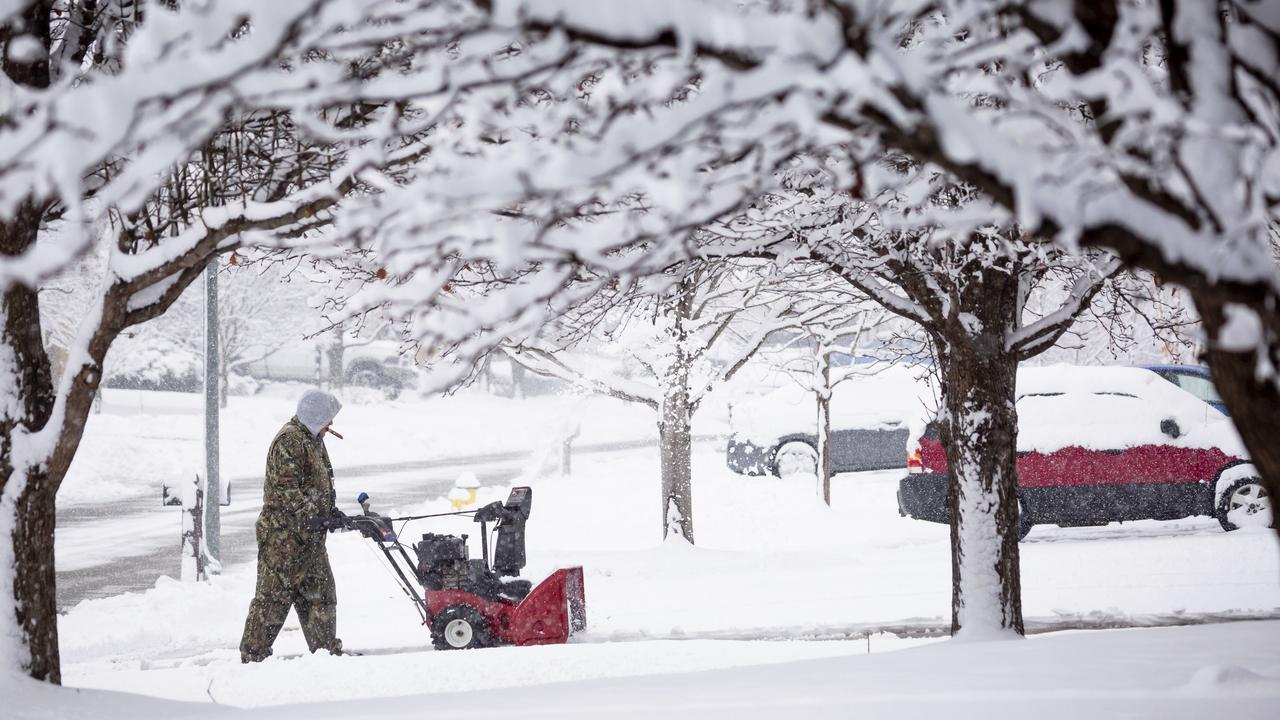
{"x": 293, "y": 571}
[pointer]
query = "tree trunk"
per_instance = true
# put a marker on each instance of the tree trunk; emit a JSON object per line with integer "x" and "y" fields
{"x": 675, "y": 420}
{"x": 519, "y": 376}
{"x": 28, "y": 626}
{"x": 979, "y": 427}
{"x": 824, "y": 427}
{"x": 34, "y": 593}
{"x": 1254, "y": 402}
{"x": 676, "y": 442}
{"x": 980, "y": 437}
{"x": 336, "y": 349}
{"x": 223, "y": 375}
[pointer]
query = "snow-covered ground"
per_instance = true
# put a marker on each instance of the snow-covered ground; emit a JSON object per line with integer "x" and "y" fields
{"x": 775, "y": 611}
{"x": 773, "y": 567}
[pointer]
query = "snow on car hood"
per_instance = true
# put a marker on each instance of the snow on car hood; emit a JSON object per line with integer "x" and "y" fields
{"x": 1113, "y": 408}
{"x": 893, "y": 397}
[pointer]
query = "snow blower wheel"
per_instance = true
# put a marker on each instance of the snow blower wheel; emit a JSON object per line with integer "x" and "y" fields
{"x": 459, "y": 627}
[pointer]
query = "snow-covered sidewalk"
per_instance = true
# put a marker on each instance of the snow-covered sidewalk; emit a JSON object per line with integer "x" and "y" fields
{"x": 1227, "y": 671}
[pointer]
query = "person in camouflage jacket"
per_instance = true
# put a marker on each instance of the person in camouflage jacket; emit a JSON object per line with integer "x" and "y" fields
{"x": 297, "y": 507}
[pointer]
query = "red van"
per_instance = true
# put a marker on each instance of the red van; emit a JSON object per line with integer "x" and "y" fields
{"x": 1105, "y": 444}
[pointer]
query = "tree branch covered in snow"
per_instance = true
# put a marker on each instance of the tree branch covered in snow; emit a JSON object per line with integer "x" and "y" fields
{"x": 735, "y": 307}
{"x": 661, "y": 120}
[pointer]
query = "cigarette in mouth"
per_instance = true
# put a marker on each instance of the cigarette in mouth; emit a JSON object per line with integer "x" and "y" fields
{"x": 336, "y": 434}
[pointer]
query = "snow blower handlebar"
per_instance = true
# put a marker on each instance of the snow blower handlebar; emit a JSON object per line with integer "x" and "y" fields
{"x": 379, "y": 529}
{"x": 508, "y": 556}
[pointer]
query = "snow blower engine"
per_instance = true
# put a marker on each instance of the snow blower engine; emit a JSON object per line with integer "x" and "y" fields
{"x": 469, "y": 603}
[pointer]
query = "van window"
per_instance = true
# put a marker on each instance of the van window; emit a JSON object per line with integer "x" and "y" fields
{"x": 1201, "y": 387}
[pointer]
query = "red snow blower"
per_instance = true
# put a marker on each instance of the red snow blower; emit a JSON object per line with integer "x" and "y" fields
{"x": 469, "y": 603}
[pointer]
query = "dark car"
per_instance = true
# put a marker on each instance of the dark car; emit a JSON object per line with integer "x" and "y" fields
{"x": 1099, "y": 445}
{"x": 852, "y": 450}
{"x": 775, "y": 434}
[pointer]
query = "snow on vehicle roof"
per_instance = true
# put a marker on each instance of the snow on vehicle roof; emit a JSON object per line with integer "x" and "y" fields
{"x": 1069, "y": 378}
{"x": 1111, "y": 408}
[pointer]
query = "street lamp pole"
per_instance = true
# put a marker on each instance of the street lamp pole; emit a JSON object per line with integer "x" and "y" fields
{"x": 212, "y": 399}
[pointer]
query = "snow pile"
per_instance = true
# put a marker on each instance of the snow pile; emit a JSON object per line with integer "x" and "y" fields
{"x": 1231, "y": 679}
{"x": 173, "y": 618}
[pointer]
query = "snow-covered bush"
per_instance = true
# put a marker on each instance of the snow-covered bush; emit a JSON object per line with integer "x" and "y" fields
{"x": 153, "y": 363}
{"x": 242, "y": 385}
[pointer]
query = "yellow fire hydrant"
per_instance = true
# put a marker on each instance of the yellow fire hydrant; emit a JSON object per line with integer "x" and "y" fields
{"x": 463, "y": 494}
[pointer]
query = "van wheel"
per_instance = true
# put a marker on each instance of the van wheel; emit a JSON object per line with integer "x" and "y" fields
{"x": 1025, "y": 523}
{"x": 366, "y": 372}
{"x": 1246, "y": 503}
{"x": 795, "y": 458}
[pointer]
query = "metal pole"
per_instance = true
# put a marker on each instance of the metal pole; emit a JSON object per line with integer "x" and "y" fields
{"x": 824, "y": 425}
{"x": 212, "y": 400}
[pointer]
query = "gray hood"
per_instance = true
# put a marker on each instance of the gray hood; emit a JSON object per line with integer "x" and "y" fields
{"x": 317, "y": 408}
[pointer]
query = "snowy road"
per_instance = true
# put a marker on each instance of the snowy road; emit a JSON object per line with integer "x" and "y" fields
{"x": 100, "y": 555}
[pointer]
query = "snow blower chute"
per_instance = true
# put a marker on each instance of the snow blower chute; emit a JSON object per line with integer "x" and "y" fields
{"x": 470, "y": 603}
